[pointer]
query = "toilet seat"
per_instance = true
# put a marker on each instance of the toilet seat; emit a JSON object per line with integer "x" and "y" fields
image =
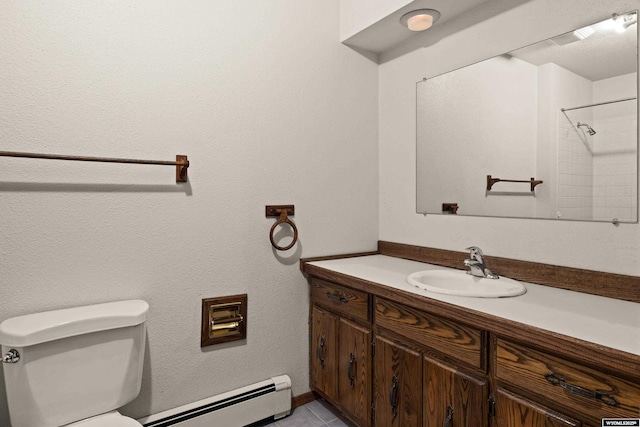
{"x": 110, "y": 419}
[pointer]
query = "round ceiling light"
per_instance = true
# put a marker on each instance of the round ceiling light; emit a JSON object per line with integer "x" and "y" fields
{"x": 420, "y": 20}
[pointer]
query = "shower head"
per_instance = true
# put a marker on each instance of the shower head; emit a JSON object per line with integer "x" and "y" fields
{"x": 590, "y": 130}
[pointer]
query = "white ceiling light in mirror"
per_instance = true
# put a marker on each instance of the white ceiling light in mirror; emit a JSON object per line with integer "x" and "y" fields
{"x": 622, "y": 22}
{"x": 420, "y": 20}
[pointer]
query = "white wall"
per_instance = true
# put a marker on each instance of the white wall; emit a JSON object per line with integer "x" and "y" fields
{"x": 356, "y": 15}
{"x": 599, "y": 246}
{"x": 269, "y": 107}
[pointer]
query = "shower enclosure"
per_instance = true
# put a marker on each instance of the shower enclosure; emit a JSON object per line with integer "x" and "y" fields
{"x": 597, "y": 157}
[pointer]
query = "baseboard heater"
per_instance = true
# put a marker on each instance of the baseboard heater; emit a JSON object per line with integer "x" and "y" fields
{"x": 237, "y": 408}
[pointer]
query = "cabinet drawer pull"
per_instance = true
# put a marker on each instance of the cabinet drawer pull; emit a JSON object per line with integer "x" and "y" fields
{"x": 393, "y": 396}
{"x": 338, "y": 298}
{"x": 352, "y": 378}
{"x": 320, "y": 352}
{"x": 607, "y": 398}
{"x": 448, "y": 422}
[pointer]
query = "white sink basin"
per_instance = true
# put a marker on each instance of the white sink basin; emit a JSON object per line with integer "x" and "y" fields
{"x": 458, "y": 282}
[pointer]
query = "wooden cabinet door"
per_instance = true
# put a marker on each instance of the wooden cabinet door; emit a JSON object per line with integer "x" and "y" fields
{"x": 452, "y": 398}
{"x": 514, "y": 411}
{"x": 397, "y": 385}
{"x": 354, "y": 371}
{"x": 324, "y": 353}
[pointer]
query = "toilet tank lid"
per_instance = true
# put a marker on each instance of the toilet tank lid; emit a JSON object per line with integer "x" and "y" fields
{"x": 31, "y": 329}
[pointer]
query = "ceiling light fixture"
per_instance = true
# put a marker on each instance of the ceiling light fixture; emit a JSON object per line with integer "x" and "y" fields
{"x": 621, "y": 23}
{"x": 420, "y": 20}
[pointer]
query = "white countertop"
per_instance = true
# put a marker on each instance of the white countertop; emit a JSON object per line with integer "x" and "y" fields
{"x": 605, "y": 321}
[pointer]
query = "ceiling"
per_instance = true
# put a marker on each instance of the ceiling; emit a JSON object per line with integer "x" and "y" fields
{"x": 607, "y": 53}
{"x": 388, "y": 32}
{"x": 602, "y": 55}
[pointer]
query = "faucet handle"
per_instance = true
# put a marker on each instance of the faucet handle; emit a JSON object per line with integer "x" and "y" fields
{"x": 475, "y": 253}
{"x": 474, "y": 250}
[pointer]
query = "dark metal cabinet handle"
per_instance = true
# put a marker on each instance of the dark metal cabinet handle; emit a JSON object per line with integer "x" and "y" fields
{"x": 448, "y": 422}
{"x": 338, "y": 298}
{"x": 352, "y": 378}
{"x": 320, "y": 352}
{"x": 393, "y": 396}
{"x": 607, "y": 398}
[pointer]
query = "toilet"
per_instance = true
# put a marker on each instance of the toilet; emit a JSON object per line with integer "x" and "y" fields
{"x": 76, "y": 366}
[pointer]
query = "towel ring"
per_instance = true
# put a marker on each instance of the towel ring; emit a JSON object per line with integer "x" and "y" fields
{"x": 282, "y": 210}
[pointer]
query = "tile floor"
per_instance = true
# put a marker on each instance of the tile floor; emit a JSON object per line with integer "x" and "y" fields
{"x": 314, "y": 414}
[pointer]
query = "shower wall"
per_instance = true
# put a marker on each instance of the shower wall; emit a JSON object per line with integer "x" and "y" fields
{"x": 597, "y": 173}
{"x": 615, "y": 193}
{"x": 575, "y": 169}
{"x": 575, "y": 166}
{"x": 563, "y": 152}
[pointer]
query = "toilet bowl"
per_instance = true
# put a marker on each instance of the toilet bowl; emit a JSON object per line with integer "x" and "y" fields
{"x": 76, "y": 366}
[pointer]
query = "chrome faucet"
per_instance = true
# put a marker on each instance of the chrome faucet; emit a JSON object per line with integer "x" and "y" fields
{"x": 476, "y": 264}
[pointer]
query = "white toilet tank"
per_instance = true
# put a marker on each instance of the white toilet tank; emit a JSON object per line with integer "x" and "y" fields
{"x": 74, "y": 363}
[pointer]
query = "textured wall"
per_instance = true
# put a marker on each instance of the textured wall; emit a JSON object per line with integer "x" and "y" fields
{"x": 599, "y": 246}
{"x": 269, "y": 107}
{"x": 356, "y": 15}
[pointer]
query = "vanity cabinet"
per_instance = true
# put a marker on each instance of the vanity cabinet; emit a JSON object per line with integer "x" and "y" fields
{"x": 390, "y": 358}
{"x": 393, "y": 379}
{"x": 454, "y": 385}
{"x": 452, "y": 339}
{"x": 340, "y": 348}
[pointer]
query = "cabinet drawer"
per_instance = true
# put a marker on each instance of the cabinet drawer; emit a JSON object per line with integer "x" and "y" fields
{"x": 341, "y": 299}
{"x": 570, "y": 385}
{"x": 447, "y": 337}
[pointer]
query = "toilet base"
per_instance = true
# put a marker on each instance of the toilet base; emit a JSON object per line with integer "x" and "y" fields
{"x": 110, "y": 419}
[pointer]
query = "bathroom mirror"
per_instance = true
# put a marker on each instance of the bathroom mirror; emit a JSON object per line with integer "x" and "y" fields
{"x": 558, "y": 117}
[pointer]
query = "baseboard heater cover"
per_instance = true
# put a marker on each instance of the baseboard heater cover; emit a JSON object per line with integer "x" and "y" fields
{"x": 237, "y": 408}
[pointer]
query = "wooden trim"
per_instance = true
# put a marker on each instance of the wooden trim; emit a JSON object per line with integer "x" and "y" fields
{"x": 304, "y": 261}
{"x": 302, "y": 399}
{"x": 446, "y": 258}
{"x": 600, "y": 283}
